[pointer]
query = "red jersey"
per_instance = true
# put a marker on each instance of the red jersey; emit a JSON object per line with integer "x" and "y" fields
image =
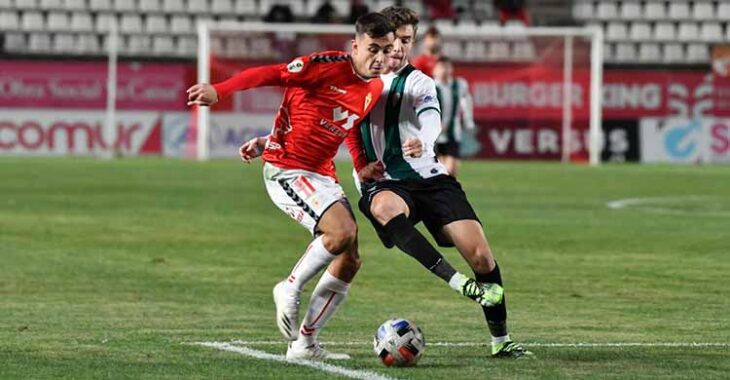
{"x": 324, "y": 103}
{"x": 425, "y": 63}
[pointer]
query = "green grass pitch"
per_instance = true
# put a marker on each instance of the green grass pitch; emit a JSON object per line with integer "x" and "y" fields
{"x": 109, "y": 268}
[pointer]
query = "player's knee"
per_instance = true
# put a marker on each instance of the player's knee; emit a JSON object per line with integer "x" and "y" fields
{"x": 481, "y": 260}
{"x": 342, "y": 238}
{"x": 383, "y": 212}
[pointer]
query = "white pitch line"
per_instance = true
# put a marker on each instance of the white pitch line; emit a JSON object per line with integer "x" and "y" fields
{"x": 626, "y": 202}
{"x": 654, "y": 204}
{"x": 533, "y": 344}
{"x": 326, "y": 367}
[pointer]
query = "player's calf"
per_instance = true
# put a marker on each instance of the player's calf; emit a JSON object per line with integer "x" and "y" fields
{"x": 347, "y": 264}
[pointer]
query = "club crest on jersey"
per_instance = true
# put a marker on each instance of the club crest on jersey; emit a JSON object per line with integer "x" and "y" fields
{"x": 295, "y": 66}
{"x": 368, "y": 99}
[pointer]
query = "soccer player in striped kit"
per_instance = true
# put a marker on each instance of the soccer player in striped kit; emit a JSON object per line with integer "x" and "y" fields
{"x": 417, "y": 188}
{"x": 457, "y": 114}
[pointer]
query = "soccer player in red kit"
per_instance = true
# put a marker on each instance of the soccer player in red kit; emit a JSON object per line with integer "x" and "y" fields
{"x": 431, "y": 51}
{"x": 327, "y": 96}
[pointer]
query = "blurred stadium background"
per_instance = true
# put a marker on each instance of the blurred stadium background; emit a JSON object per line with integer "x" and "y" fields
{"x": 664, "y": 89}
{"x": 108, "y": 268}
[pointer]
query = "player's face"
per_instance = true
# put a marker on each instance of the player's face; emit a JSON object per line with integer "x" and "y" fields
{"x": 370, "y": 55}
{"x": 404, "y": 38}
{"x": 432, "y": 44}
{"x": 443, "y": 71}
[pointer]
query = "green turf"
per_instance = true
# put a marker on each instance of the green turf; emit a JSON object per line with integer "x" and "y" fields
{"x": 107, "y": 269}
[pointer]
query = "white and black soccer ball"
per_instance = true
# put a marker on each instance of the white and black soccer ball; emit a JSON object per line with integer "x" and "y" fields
{"x": 399, "y": 343}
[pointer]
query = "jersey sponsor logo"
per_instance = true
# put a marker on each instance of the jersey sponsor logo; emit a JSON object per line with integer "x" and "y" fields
{"x": 427, "y": 99}
{"x": 295, "y": 66}
{"x": 338, "y": 114}
{"x": 337, "y": 89}
{"x": 272, "y": 145}
{"x": 368, "y": 99}
{"x": 332, "y": 128}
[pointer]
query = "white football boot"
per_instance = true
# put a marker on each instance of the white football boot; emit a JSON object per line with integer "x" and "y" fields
{"x": 287, "y": 310}
{"x": 312, "y": 352}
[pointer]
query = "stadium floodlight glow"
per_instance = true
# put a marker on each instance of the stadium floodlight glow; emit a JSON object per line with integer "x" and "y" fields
{"x": 579, "y": 52}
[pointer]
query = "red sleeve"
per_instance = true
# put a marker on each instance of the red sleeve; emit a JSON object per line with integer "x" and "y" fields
{"x": 250, "y": 78}
{"x": 299, "y": 72}
{"x": 418, "y": 62}
{"x": 424, "y": 63}
{"x": 355, "y": 146}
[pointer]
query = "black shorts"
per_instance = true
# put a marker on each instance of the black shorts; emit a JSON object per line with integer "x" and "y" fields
{"x": 435, "y": 201}
{"x": 450, "y": 148}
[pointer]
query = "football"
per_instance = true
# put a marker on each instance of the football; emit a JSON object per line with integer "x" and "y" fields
{"x": 399, "y": 343}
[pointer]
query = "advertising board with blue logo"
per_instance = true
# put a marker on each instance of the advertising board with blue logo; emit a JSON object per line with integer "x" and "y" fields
{"x": 685, "y": 140}
{"x": 227, "y": 132}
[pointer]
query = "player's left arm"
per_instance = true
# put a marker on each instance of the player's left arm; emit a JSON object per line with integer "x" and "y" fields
{"x": 354, "y": 144}
{"x": 466, "y": 103}
{"x": 366, "y": 171}
{"x": 428, "y": 111}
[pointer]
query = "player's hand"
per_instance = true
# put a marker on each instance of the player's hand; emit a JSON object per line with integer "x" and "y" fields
{"x": 413, "y": 147}
{"x": 372, "y": 172}
{"x": 202, "y": 94}
{"x": 252, "y": 149}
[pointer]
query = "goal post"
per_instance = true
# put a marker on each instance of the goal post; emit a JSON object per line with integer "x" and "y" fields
{"x": 565, "y": 60}
{"x": 201, "y": 125}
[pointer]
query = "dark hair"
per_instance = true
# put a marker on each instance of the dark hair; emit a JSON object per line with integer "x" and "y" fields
{"x": 433, "y": 32}
{"x": 400, "y": 16}
{"x": 374, "y": 25}
{"x": 443, "y": 59}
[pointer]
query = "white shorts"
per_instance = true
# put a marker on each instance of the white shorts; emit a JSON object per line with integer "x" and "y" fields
{"x": 301, "y": 194}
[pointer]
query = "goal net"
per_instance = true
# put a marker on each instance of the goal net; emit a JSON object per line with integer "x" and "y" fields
{"x": 536, "y": 91}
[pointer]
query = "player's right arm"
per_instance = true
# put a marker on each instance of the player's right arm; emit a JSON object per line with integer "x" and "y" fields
{"x": 252, "y": 148}
{"x": 299, "y": 72}
{"x": 467, "y": 105}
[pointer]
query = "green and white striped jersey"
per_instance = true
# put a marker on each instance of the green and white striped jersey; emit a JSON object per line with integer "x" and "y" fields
{"x": 456, "y": 109}
{"x": 408, "y": 96}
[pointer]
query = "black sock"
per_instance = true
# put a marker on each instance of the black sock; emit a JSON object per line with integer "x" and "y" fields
{"x": 496, "y": 315}
{"x": 412, "y": 242}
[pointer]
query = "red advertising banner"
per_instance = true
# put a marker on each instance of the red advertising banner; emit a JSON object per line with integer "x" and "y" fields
{"x": 533, "y": 91}
{"x": 524, "y": 91}
{"x": 82, "y": 85}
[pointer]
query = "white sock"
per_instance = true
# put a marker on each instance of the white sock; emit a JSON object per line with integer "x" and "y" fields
{"x": 456, "y": 280}
{"x": 326, "y": 299}
{"x": 312, "y": 262}
{"x": 500, "y": 339}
